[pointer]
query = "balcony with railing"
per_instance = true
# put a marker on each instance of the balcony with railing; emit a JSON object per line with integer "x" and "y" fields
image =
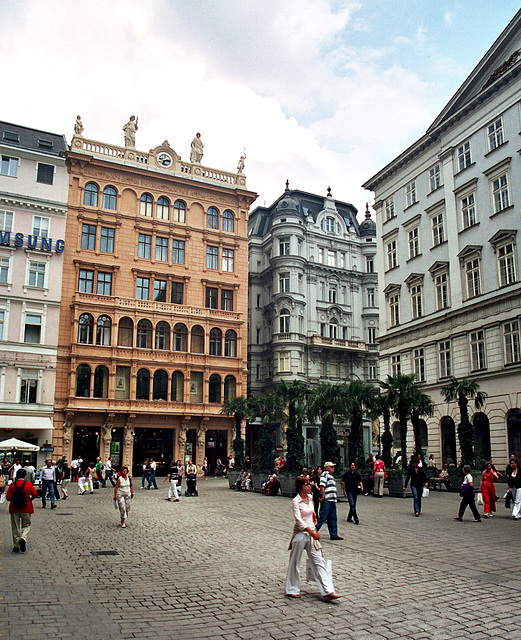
{"x": 337, "y": 343}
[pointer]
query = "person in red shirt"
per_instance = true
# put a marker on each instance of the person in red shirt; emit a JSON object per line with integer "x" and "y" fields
{"x": 21, "y": 516}
{"x": 379, "y": 475}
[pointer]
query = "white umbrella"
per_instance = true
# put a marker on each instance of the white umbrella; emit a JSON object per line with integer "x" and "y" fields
{"x": 13, "y": 444}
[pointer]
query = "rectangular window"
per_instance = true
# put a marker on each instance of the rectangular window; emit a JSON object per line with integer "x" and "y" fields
{"x": 468, "y": 210}
{"x": 473, "y": 277}
{"x": 371, "y": 335}
{"x": 389, "y": 208}
{"x": 212, "y": 256}
{"x": 2, "y": 324}
{"x": 506, "y": 264}
{"x": 177, "y": 291}
{"x": 178, "y": 252}
{"x": 228, "y": 258}
{"x": 442, "y": 291}
{"x": 438, "y": 232}
{"x": 332, "y": 295}
{"x": 435, "y": 177}
{"x": 477, "y": 350}
{"x": 419, "y": 364}
{"x": 371, "y": 298}
{"x": 9, "y": 166}
{"x": 107, "y": 240}
{"x": 86, "y": 281}
{"x": 464, "y": 156}
{"x": 394, "y": 310}
{"x": 342, "y": 260}
{"x": 284, "y": 247}
{"x": 512, "y": 342}
{"x": 104, "y": 283}
{"x": 160, "y": 290}
{"x": 396, "y": 365}
{"x": 500, "y": 193}
{"x": 321, "y": 255}
{"x": 373, "y": 371}
{"x": 33, "y": 328}
{"x": 227, "y": 300}
{"x": 37, "y": 274}
{"x": 45, "y": 173}
{"x": 142, "y": 288}
{"x": 211, "y": 297}
{"x": 88, "y": 236}
{"x": 392, "y": 256}
{"x": 331, "y": 258}
{"x": 495, "y": 134}
{"x": 299, "y": 246}
{"x": 410, "y": 193}
{"x": 162, "y": 249}
{"x": 369, "y": 264}
{"x": 445, "y": 359}
{"x": 299, "y": 282}
{"x": 416, "y": 301}
{"x": 196, "y": 387}
{"x": 284, "y": 282}
{"x": 144, "y": 246}
{"x": 4, "y": 270}
{"x": 285, "y": 361}
{"x": 6, "y": 220}
{"x": 122, "y": 383}
{"x": 40, "y": 226}
{"x": 29, "y": 387}
{"x": 414, "y": 242}
{"x": 330, "y": 225}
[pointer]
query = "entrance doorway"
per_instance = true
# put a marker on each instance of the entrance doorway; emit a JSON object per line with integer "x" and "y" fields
{"x": 85, "y": 443}
{"x": 448, "y": 440}
{"x": 153, "y": 443}
{"x": 216, "y": 448}
{"x": 514, "y": 432}
{"x": 482, "y": 449}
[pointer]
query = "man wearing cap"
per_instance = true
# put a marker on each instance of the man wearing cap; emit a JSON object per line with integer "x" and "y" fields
{"x": 328, "y": 500}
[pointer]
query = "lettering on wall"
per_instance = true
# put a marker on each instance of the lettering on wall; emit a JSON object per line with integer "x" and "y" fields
{"x": 8, "y": 239}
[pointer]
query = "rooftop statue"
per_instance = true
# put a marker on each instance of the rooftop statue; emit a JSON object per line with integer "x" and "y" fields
{"x": 196, "y": 151}
{"x": 130, "y": 132}
{"x": 240, "y": 166}
{"x": 78, "y": 126}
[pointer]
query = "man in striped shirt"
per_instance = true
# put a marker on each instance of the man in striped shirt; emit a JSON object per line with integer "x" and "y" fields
{"x": 328, "y": 500}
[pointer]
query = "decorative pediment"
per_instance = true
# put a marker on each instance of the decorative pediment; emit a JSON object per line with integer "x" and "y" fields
{"x": 502, "y": 236}
{"x": 392, "y": 288}
{"x": 470, "y": 251}
{"x": 414, "y": 278}
{"x": 438, "y": 266}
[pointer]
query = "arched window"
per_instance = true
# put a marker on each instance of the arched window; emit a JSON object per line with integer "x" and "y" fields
{"x": 101, "y": 382}
{"x": 103, "y": 327}
{"x": 90, "y": 196}
{"x": 163, "y": 207}
{"x": 514, "y": 431}
{"x": 284, "y": 321}
{"x": 83, "y": 381}
{"x": 229, "y": 388}
{"x": 179, "y": 211}
{"x": 197, "y": 341}
{"x": 144, "y": 334}
{"x": 216, "y": 341}
{"x": 397, "y": 439}
{"x": 125, "y": 332}
{"x": 177, "y": 391}
{"x": 180, "y": 337}
{"x": 163, "y": 336}
{"x": 143, "y": 385}
{"x": 160, "y": 389}
{"x": 230, "y": 344}
{"x": 424, "y": 435}
{"x": 145, "y": 205}
{"x": 212, "y": 218}
{"x": 333, "y": 328}
{"x": 482, "y": 447}
{"x": 109, "y": 198}
{"x": 85, "y": 328}
{"x": 228, "y": 220}
{"x": 448, "y": 440}
{"x": 214, "y": 388}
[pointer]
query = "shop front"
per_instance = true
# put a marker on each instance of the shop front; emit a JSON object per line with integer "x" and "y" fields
{"x": 153, "y": 443}
{"x": 216, "y": 448}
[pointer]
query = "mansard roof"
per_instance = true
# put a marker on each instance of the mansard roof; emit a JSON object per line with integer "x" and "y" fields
{"x": 18, "y": 137}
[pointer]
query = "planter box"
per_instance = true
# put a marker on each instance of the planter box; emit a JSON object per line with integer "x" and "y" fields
{"x": 287, "y": 486}
{"x": 258, "y": 479}
{"x": 396, "y": 487}
{"x": 232, "y": 478}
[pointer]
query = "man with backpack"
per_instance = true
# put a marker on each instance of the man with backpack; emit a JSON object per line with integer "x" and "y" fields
{"x": 20, "y": 495}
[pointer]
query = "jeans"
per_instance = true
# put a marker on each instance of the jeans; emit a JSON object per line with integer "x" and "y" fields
{"x": 47, "y": 485}
{"x": 352, "y": 506}
{"x": 328, "y": 514}
{"x": 152, "y": 480}
{"x": 108, "y": 476}
{"x": 417, "y": 498}
{"x": 145, "y": 478}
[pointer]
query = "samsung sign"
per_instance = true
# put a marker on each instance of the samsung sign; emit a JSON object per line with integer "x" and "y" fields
{"x": 33, "y": 242}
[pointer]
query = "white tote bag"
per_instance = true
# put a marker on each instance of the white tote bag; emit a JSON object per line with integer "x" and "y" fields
{"x": 425, "y": 493}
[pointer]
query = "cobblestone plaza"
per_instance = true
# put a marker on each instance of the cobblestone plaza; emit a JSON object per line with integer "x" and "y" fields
{"x": 214, "y": 567}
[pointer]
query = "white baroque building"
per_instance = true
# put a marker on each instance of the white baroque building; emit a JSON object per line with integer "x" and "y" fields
{"x": 448, "y": 214}
{"x": 313, "y": 306}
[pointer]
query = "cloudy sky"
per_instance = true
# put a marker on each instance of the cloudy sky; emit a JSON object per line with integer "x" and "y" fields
{"x": 320, "y": 92}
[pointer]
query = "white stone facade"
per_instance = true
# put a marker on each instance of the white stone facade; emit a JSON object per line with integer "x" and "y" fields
{"x": 448, "y": 214}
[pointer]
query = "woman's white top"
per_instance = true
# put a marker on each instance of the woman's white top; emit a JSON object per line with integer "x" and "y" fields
{"x": 124, "y": 486}
{"x": 303, "y": 513}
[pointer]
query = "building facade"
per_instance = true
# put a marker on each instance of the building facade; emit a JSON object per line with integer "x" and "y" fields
{"x": 448, "y": 214}
{"x": 33, "y": 209}
{"x": 154, "y": 305}
{"x": 313, "y": 297}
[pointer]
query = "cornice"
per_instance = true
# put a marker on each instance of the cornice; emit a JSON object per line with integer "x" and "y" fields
{"x": 33, "y": 204}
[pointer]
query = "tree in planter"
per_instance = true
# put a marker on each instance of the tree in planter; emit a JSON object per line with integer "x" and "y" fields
{"x": 358, "y": 398}
{"x": 240, "y": 409}
{"x": 462, "y": 390}
{"x": 265, "y": 408}
{"x": 327, "y": 402}
{"x": 420, "y": 405}
{"x": 291, "y": 399}
{"x": 400, "y": 390}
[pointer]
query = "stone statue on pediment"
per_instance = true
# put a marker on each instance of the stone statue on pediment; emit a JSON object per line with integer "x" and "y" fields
{"x": 129, "y": 130}
{"x": 196, "y": 150}
{"x": 240, "y": 166}
{"x": 78, "y": 126}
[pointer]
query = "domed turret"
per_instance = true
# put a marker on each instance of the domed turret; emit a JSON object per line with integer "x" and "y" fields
{"x": 368, "y": 226}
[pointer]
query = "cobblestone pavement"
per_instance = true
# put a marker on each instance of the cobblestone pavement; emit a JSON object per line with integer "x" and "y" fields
{"x": 214, "y": 567}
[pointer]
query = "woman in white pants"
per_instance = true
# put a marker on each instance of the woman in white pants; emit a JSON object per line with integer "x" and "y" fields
{"x": 305, "y": 536}
{"x": 514, "y": 485}
{"x": 173, "y": 479}
{"x": 123, "y": 492}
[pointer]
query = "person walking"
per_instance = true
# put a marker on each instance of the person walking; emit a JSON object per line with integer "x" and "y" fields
{"x": 145, "y": 476}
{"x": 48, "y": 478}
{"x": 99, "y": 471}
{"x": 30, "y": 472}
{"x": 20, "y": 495}
{"x": 487, "y": 490}
{"x": 328, "y": 500}
{"x": 379, "y": 477}
{"x": 306, "y": 537}
{"x": 315, "y": 488}
{"x": 89, "y": 475}
{"x": 123, "y": 493}
{"x": 418, "y": 479}
{"x": 75, "y": 468}
{"x": 467, "y": 496}
{"x": 204, "y": 467}
{"x": 109, "y": 472}
{"x": 66, "y": 476}
{"x": 172, "y": 477}
{"x": 152, "y": 476}
{"x": 352, "y": 486}
{"x": 514, "y": 486}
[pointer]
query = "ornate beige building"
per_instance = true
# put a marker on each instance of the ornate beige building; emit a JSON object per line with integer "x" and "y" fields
{"x": 153, "y": 329}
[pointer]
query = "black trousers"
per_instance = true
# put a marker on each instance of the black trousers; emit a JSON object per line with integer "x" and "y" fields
{"x": 468, "y": 501}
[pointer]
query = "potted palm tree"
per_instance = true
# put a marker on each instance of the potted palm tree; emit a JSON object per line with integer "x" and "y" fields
{"x": 240, "y": 409}
{"x": 291, "y": 400}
